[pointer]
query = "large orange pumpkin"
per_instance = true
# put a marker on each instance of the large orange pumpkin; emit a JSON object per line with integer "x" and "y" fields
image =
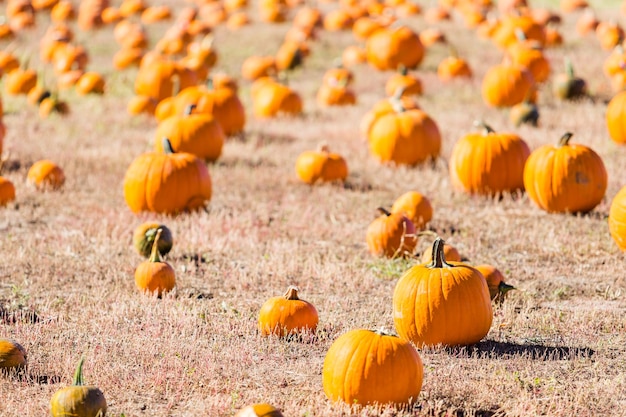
{"x": 388, "y": 48}
{"x": 365, "y": 367}
{"x": 506, "y": 85}
{"x": 442, "y": 303}
{"x": 565, "y": 177}
{"x": 167, "y": 182}
{"x": 488, "y": 163}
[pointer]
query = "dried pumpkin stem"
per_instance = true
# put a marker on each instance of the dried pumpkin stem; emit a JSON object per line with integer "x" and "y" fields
{"x": 292, "y": 293}
{"x": 78, "y": 374}
{"x": 167, "y": 146}
{"x": 564, "y": 141}
{"x": 402, "y": 69}
{"x": 190, "y": 108}
{"x": 155, "y": 255}
{"x": 486, "y": 128}
{"x": 383, "y": 332}
{"x": 384, "y": 211}
{"x": 569, "y": 68}
{"x": 439, "y": 260}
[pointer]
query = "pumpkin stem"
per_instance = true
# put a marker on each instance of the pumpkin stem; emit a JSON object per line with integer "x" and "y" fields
{"x": 486, "y": 128}
{"x": 396, "y": 102}
{"x": 78, "y": 374}
{"x": 564, "y": 141}
{"x": 155, "y": 256}
{"x": 190, "y": 108}
{"x": 383, "y": 211}
{"x": 210, "y": 84}
{"x": 503, "y": 288}
{"x": 323, "y": 147}
{"x": 383, "y": 332}
{"x": 292, "y": 293}
{"x": 167, "y": 146}
{"x": 402, "y": 69}
{"x": 439, "y": 260}
{"x": 569, "y": 68}
{"x": 454, "y": 53}
{"x": 520, "y": 35}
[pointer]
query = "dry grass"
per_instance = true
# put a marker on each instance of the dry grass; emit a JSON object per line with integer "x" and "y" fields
{"x": 556, "y": 346}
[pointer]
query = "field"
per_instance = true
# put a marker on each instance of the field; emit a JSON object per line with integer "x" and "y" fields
{"x": 557, "y": 345}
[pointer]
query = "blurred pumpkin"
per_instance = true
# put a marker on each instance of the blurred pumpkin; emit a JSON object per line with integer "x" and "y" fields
{"x": 388, "y": 48}
{"x": 495, "y": 281}
{"x": 46, "y": 175}
{"x": 410, "y": 84}
{"x": 259, "y": 410}
{"x": 90, "y": 83}
{"x": 616, "y": 118}
{"x": 7, "y": 191}
{"x": 617, "y": 219}
{"x": 506, "y": 85}
{"x": 321, "y": 165}
{"x": 415, "y": 206}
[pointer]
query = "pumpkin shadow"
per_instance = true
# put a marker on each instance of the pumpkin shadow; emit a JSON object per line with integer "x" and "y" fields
{"x": 505, "y": 350}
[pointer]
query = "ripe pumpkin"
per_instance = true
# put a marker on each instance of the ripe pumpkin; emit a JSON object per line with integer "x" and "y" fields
{"x": 391, "y": 235}
{"x": 78, "y": 399}
{"x": 90, "y": 83}
{"x": 286, "y": 315}
{"x": 616, "y": 118}
{"x": 488, "y": 163}
{"x": 406, "y": 137}
{"x": 12, "y": 354}
{"x": 442, "y": 303}
{"x": 565, "y": 178}
{"x": 566, "y": 86}
{"x": 495, "y": 281}
{"x": 410, "y": 84}
{"x": 46, "y": 175}
{"x": 273, "y": 98}
{"x": 153, "y": 274}
{"x": 617, "y": 219}
{"x": 335, "y": 95}
{"x": 453, "y": 67}
{"x": 321, "y": 165}
{"x": 199, "y": 134}
{"x": 255, "y": 67}
{"x": 365, "y": 367}
{"x": 7, "y": 191}
{"x": 259, "y": 410}
{"x": 20, "y": 81}
{"x": 144, "y": 236}
{"x": 167, "y": 182}
{"x": 530, "y": 54}
{"x": 506, "y": 85}
{"x": 390, "y": 47}
{"x": 415, "y": 206}
{"x": 386, "y": 106}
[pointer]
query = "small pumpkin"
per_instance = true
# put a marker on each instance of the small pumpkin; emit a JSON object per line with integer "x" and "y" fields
{"x": 7, "y": 191}
{"x": 286, "y": 315}
{"x": 321, "y": 165}
{"x": 506, "y": 85}
{"x": 617, "y": 219}
{"x": 259, "y": 410}
{"x": 488, "y": 163}
{"x": 335, "y": 95}
{"x": 46, "y": 175}
{"x": 20, "y": 81}
{"x": 255, "y": 67}
{"x": 90, "y": 83}
{"x": 495, "y": 281}
{"x": 141, "y": 104}
{"x": 565, "y": 177}
{"x": 365, "y": 367}
{"x": 273, "y": 98}
{"x": 386, "y": 106}
{"x": 167, "y": 182}
{"x": 525, "y": 112}
{"x": 616, "y": 118}
{"x": 388, "y": 48}
{"x": 12, "y": 354}
{"x": 78, "y": 399}
{"x": 415, "y": 206}
{"x": 391, "y": 235}
{"x": 410, "y": 84}
{"x": 567, "y": 86}
{"x": 442, "y": 302}
{"x": 154, "y": 275}
{"x": 144, "y": 236}
{"x": 453, "y": 67}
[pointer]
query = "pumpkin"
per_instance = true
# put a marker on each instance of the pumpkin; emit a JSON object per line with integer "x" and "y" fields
{"x": 610, "y": 34}
{"x": 8, "y": 62}
{"x": 391, "y": 235}
{"x": 524, "y": 113}
{"x": 453, "y": 67}
{"x": 46, "y": 175}
{"x": 7, "y": 191}
{"x": 335, "y": 95}
{"x": 568, "y": 6}
{"x": 144, "y": 236}
{"x": 506, "y": 85}
{"x": 495, "y": 282}
{"x": 199, "y": 134}
{"x": 617, "y": 219}
{"x": 220, "y": 101}
{"x": 52, "y": 104}
{"x": 12, "y": 354}
{"x": 432, "y": 36}
{"x": 20, "y": 81}
{"x": 153, "y": 14}
{"x": 365, "y": 367}
{"x": 78, "y": 399}
{"x": 386, "y": 106}
{"x": 273, "y": 98}
{"x": 410, "y": 84}
{"x": 90, "y": 83}
{"x": 167, "y": 182}
{"x": 405, "y": 137}
{"x": 565, "y": 178}
{"x": 154, "y": 275}
{"x": 566, "y": 86}
{"x": 321, "y": 165}
{"x": 286, "y": 315}
{"x": 507, "y": 32}
{"x": 587, "y": 22}
{"x": 442, "y": 302}
{"x": 141, "y": 104}
{"x": 388, "y": 48}
{"x": 449, "y": 252}
{"x": 337, "y": 20}
{"x": 529, "y": 54}
{"x": 63, "y": 11}
{"x": 415, "y": 206}
{"x": 353, "y": 55}
{"x": 259, "y": 410}
{"x": 159, "y": 78}
{"x": 127, "y": 57}
{"x": 488, "y": 163}
{"x": 255, "y": 67}
{"x": 616, "y": 118}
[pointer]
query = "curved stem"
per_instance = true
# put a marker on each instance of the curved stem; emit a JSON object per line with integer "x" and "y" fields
{"x": 503, "y": 288}
{"x": 155, "y": 256}
{"x": 383, "y": 211}
{"x": 439, "y": 260}
{"x": 569, "y": 68}
{"x": 402, "y": 69}
{"x": 486, "y": 128}
{"x": 78, "y": 374}
{"x": 564, "y": 141}
{"x": 167, "y": 146}
{"x": 292, "y": 293}
{"x": 190, "y": 108}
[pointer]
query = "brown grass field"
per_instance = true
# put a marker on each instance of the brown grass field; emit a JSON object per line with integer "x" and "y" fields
{"x": 557, "y": 346}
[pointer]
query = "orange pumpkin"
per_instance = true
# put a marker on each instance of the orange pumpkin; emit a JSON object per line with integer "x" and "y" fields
{"x": 506, "y": 85}
{"x": 20, "y": 81}
{"x": 272, "y": 99}
{"x": 565, "y": 178}
{"x": 322, "y": 165}
{"x": 617, "y": 219}
{"x": 386, "y": 106}
{"x": 488, "y": 163}
{"x": 46, "y": 175}
{"x": 391, "y": 235}
{"x": 167, "y": 182}
{"x": 90, "y": 83}
{"x": 7, "y": 191}
{"x": 12, "y": 354}
{"x": 616, "y": 118}
{"x": 286, "y": 315}
{"x": 449, "y": 252}
{"x": 255, "y": 67}
{"x": 388, "y": 48}
{"x": 259, "y": 410}
{"x": 415, "y": 206}
{"x": 154, "y": 275}
{"x": 453, "y": 67}
{"x": 495, "y": 282}
{"x": 410, "y": 84}
{"x": 442, "y": 302}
